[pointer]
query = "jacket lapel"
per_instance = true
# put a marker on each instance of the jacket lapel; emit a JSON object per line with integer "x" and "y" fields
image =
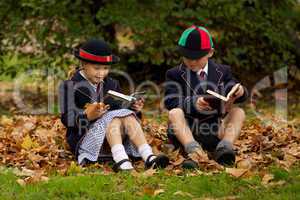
{"x": 192, "y": 81}
{"x": 83, "y": 87}
{"x": 214, "y": 76}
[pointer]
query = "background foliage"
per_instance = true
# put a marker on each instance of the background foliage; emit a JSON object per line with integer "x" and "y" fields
{"x": 249, "y": 35}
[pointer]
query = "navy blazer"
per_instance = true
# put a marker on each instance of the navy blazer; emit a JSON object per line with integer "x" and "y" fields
{"x": 183, "y": 87}
{"x": 74, "y": 94}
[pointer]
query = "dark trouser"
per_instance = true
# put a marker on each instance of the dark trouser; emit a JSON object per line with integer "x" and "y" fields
{"x": 206, "y": 133}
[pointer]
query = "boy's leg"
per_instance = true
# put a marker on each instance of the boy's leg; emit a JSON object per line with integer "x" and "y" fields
{"x": 182, "y": 131}
{"x": 232, "y": 125}
{"x": 137, "y": 137}
{"x": 114, "y": 139}
{"x": 228, "y": 133}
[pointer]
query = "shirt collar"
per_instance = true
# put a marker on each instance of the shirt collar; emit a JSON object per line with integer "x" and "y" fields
{"x": 205, "y": 69}
{"x": 94, "y": 86}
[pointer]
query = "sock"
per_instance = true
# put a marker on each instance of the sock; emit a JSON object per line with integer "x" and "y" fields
{"x": 191, "y": 147}
{"x": 118, "y": 154}
{"x": 145, "y": 151}
{"x": 224, "y": 144}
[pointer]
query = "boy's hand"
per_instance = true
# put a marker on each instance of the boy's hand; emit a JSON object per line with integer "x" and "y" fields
{"x": 138, "y": 105}
{"x": 95, "y": 110}
{"x": 202, "y": 105}
{"x": 239, "y": 92}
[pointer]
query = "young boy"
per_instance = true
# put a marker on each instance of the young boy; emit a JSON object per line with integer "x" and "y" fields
{"x": 195, "y": 122}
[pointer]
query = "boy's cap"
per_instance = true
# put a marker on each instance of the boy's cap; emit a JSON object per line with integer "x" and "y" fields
{"x": 195, "y": 42}
{"x": 97, "y": 52}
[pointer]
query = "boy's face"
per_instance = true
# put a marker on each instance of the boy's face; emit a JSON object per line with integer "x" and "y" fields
{"x": 197, "y": 64}
{"x": 95, "y": 73}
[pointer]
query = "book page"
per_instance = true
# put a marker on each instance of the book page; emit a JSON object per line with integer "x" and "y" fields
{"x": 233, "y": 90}
{"x": 120, "y": 96}
{"x": 217, "y": 95}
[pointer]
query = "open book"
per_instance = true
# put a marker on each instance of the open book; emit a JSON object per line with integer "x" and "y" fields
{"x": 214, "y": 98}
{"x": 125, "y": 98}
{"x": 230, "y": 94}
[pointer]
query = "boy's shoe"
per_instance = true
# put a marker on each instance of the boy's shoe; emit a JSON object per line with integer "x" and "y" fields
{"x": 195, "y": 159}
{"x": 199, "y": 159}
{"x": 161, "y": 161}
{"x": 117, "y": 166}
{"x": 189, "y": 164}
{"x": 225, "y": 154}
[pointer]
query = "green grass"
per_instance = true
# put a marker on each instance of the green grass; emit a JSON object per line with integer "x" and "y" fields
{"x": 126, "y": 186}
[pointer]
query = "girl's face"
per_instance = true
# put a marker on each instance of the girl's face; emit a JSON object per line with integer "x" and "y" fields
{"x": 197, "y": 64}
{"x": 95, "y": 73}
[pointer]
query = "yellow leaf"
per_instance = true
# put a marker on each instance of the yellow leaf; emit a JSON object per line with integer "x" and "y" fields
{"x": 28, "y": 143}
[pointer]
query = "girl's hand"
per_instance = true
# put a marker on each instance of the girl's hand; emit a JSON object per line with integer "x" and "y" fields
{"x": 95, "y": 110}
{"x": 138, "y": 105}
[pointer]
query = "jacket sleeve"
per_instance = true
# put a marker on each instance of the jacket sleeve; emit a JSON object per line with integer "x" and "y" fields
{"x": 230, "y": 81}
{"x": 175, "y": 98}
{"x": 71, "y": 116}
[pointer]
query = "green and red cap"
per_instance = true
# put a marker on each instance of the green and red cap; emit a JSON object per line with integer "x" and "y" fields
{"x": 195, "y": 42}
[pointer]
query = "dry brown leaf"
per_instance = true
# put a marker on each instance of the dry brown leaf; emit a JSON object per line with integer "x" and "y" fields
{"x": 158, "y": 191}
{"x": 244, "y": 164}
{"x": 149, "y": 172}
{"x": 267, "y": 178}
{"x": 237, "y": 173}
{"x": 21, "y": 182}
{"x": 183, "y": 194}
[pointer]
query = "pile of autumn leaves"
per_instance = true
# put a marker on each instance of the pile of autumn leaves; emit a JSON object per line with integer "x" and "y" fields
{"x": 35, "y": 146}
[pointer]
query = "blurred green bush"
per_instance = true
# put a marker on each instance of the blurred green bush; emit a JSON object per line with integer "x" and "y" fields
{"x": 248, "y": 34}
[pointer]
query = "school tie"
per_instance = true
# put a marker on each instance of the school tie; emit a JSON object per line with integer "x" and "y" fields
{"x": 98, "y": 91}
{"x": 202, "y": 76}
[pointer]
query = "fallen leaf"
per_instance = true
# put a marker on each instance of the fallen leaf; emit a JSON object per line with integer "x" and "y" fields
{"x": 183, "y": 194}
{"x": 21, "y": 182}
{"x": 267, "y": 178}
{"x": 237, "y": 173}
{"x": 149, "y": 172}
{"x": 158, "y": 191}
{"x": 28, "y": 143}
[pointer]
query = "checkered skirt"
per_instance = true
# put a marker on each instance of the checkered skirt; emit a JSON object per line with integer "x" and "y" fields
{"x": 91, "y": 145}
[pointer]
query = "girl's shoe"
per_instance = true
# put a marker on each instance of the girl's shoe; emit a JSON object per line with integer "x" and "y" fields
{"x": 117, "y": 166}
{"x": 160, "y": 161}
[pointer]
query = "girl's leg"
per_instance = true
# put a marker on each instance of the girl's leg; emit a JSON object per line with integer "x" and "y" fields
{"x": 137, "y": 137}
{"x": 114, "y": 139}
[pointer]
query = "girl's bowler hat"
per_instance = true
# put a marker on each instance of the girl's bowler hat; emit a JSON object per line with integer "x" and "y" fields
{"x": 97, "y": 52}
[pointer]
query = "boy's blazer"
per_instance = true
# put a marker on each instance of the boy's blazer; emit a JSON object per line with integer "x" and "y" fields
{"x": 183, "y": 87}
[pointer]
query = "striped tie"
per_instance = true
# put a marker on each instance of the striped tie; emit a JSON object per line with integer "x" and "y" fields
{"x": 202, "y": 76}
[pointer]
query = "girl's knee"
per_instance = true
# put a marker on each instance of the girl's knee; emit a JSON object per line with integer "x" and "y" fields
{"x": 175, "y": 114}
{"x": 116, "y": 121}
{"x": 128, "y": 119}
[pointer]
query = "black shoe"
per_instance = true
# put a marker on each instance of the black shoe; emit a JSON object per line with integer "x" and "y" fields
{"x": 225, "y": 155}
{"x": 189, "y": 164}
{"x": 161, "y": 161}
{"x": 116, "y": 167}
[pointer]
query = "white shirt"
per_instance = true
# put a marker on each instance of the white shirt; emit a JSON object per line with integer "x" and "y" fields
{"x": 205, "y": 69}
{"x": 94, "y": 86}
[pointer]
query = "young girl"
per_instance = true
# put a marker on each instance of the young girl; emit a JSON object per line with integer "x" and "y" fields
{"x": 95, "y": 121}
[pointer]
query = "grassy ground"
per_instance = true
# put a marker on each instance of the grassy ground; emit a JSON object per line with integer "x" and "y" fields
{"x": 160, "y": 186}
